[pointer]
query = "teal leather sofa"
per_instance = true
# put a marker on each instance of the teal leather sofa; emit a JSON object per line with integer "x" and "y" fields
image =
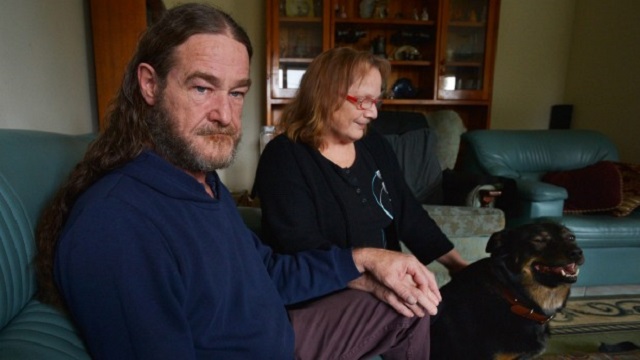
{"x": 611, "y": 244}
{"x": 32, "y": 166}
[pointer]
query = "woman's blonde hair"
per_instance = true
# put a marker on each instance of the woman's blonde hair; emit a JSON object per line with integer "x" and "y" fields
{"x": 323, "y": 89}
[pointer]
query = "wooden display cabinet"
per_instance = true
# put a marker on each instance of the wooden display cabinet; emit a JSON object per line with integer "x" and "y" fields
{"x": 116, "y": 26}
{"x": 441, "y": 51}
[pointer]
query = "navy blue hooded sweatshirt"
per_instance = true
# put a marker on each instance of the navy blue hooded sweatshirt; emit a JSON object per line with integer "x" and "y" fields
{"x": 151, "y": 267}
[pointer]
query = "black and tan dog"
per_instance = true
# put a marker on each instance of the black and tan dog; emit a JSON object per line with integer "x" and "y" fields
{"x": 499, "y": 307}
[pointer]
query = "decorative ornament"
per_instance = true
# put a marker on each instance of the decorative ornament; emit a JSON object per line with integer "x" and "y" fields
{"x": 425, "y": 15}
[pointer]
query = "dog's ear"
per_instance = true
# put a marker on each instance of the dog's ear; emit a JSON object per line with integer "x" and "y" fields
{"x": 496, "y": 241}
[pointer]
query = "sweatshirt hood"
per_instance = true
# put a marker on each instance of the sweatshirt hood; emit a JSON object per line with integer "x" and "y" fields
{"x": 157, "y": 173}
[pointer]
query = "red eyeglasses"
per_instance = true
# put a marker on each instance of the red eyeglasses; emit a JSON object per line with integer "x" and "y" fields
{"x": 364, "y": 103}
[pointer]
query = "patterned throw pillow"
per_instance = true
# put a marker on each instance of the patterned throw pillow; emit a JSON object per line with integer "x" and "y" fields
{"x": 630, "y": 189}
{"x": 448, "y": 126}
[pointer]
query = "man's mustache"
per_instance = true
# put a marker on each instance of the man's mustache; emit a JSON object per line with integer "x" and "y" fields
{"x": 229, "y": 131}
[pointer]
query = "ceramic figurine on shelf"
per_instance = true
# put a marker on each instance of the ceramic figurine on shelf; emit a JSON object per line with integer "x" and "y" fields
{"x": 415, "y": 14}
{"x": 425, "y": 15}
{"x": 303, "y": 9}
{"x": 473, "y": 16}
{"x": 343, "y": 13}
{"x": 366, "y": 8}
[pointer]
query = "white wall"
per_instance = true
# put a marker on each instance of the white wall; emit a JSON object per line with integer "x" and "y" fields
{"x": 534, "y": 40}
{"x": 603, "y": 78}
{"x": 47, "y": 81}
{"x": 579, "y": 52}
{"x": 45, "y": 67}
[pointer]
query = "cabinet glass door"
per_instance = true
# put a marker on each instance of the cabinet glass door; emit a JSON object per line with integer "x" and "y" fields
{"x": 464, "y": 54}
{"x": 298, "y": 39}
{"x": 404, "y": 32}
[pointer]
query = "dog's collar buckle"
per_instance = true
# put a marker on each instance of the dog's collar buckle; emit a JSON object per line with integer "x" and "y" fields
{"x": 530, "y": 314}
{"x": 523, "y": 311}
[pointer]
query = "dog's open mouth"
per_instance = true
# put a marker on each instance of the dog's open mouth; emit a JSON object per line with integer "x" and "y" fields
{"x": 568, "y": 272}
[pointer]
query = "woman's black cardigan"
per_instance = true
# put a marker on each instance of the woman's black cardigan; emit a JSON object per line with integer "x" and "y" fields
{"x": 301, "y": 210}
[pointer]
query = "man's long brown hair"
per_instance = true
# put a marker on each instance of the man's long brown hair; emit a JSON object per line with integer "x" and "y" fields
{"x": 323, "y": 89}
{"x": 127, "y": 133}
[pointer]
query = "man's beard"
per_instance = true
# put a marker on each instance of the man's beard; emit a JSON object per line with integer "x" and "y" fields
{"x": 180, "y": 151}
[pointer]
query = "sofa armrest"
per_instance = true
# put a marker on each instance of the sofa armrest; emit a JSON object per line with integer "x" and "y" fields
{"x": 537, "y": 199}
{"x": 466, "y": 221}
{"x": 468, "y": 228}
{"x": 538, "y": 191}
{"x": 252, "y": 217}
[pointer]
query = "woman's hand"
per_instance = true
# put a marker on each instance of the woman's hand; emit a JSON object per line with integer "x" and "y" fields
{"x": 398, "y": 279}
{"x": 453, "y": 261}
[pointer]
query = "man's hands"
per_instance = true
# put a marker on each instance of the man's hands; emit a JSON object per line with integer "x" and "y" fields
{"x": 397, "y": 279}
{"x": 368, "y": 283}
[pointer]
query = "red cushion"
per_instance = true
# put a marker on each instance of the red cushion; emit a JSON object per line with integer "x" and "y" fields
{"x": 597, "y": 187}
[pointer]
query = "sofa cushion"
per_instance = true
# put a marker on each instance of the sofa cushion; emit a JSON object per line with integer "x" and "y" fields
{"x": 466, "y": 221}
{"x": 593, "y": 188}
{"x": 602, "y": 230}
{"x": 17, "y": 280}
{"x": 398, "y": 122}
{"x": 252, "y": 217}
{"x": 41, "y": 332}
{"x": 630, "y": 189}
{"x": 448, "y": 126}
{"x": 532, "y": 153}
{"x": 33, "y": 164}
{"x": 416, "y": 153}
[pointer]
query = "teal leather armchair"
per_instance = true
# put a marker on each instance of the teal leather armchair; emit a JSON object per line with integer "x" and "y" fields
{"x": 32, "y": 166}
{"x": 611, "y": 244}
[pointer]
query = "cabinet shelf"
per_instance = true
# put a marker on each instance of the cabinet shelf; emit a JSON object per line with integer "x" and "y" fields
{"x": 464, "y": 63}
{"x": 388, "y": 22}
{"x": 300, "y": 19}
{"x": 475, "y": 24}
{"x": 410, "y": 63}
{"x": 428, "y": 102}
{"x": 287, "y": 60}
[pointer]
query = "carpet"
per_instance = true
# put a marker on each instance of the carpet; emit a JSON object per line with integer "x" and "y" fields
{"x": 596, "y": 328}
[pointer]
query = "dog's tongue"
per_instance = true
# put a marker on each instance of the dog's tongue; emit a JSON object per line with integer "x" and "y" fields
{"x": 569, "y": 269}
{"x": 566, "y": 270}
